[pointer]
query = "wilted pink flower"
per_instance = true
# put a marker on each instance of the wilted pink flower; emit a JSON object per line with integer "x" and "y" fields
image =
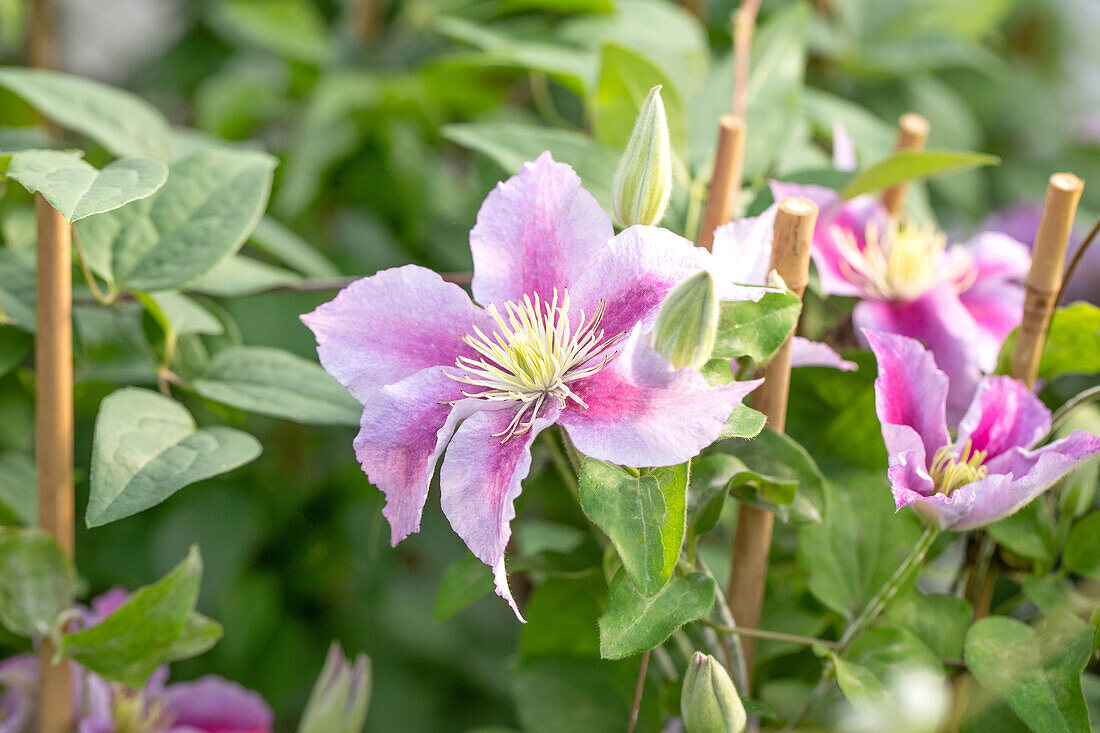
{"x": 562, "y": 338}
{"x": 742, "y": 253}
{"x": 961, "y": 300}
{"x": 991, "y": 469}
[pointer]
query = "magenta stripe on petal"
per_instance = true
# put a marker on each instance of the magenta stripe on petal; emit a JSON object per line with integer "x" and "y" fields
{"x": 1004, "y": 414}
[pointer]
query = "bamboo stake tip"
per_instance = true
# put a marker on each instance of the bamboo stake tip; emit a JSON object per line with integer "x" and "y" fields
{"x": 731, "y": 123}
{"x": 798, "y": 207}
{"x": 914, "y": 125}
{"x": 1066, "y": 183}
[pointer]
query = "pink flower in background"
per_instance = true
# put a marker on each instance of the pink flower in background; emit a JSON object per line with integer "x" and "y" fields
{"x": 992, "y": 468}
{"x": 562, "y": 338}
{"x": 961, "y": 300}
{"x": 742, "y": 253}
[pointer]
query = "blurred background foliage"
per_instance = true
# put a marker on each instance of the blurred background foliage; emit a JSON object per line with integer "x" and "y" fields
{"x": 391, "y": 120}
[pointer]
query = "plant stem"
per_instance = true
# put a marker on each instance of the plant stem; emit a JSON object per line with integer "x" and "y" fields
{"x": 1078, "y": 255}
{"x": 561, "y": 463}
{"x": 100, "y": 297}
{"x": 731, "y": 644}
{"x": 772, "y": 635}
{"x": 637, "y": 706}
{"x": 871, "y": 611}
{"x": 1089, "y": 395}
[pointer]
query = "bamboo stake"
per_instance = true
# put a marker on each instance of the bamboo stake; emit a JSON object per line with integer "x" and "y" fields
{"x": 725, "y": 181}
{"x": 42, "y": 41}
{"x": 53, "y": 361}
{"x": 1044, "y": 280}
{"x": 912, "y": 135}
{"x": 794, "y": 231}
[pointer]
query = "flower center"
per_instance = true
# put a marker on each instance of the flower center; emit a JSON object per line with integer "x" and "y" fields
{"x": 952, "y": 467}
{"x": 901, "y": 263}
{"x": 534, "y": 354}
{"x": 133, "y": 714}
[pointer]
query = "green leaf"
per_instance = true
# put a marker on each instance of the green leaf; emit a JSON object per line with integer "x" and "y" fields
{"x": 147, "y": 447}
{"x": 563, "y": 617}
{"x": 17, "y": 289}
{"x": 625, "y": 79}
{"x": 178, "y": 314}
{"x": 886, "y": 650}
{"x": 119, "y": 121}
{"x": 860, "y": 543}
{"x": 908, "y": 165}
{"x": 280, "y": 242}
{"x": 292, "y": 28}
{"x": 756, "y": 330}
{"x": 15, "y": 344}
{"x": 239, "y": 276}
{"x": 643, "y": 515}
{"x": 1082, "y": 553}
{"x": 199, "y": 218}
{"x": 1036, "y": 671}
{"x": 633, "y": 623}
{"x": 199, "y": 634}
{"x": 939, "y": 620}
{"x": 19, "y": 487}
{"x": 512, "y": 144}
{"x": 1072, "y": 344}
{"x": 859, "y": 684}
{"x": 464, "y": 581}
{"x": 1028, "y": 533}
{"x": 78, "y": 190}
{"x": 37, "y": 581}
{"x": 774, "y": 473}
{"x": 743, "y": 422}
{"x": 277, "y": 383}
{"x": 153, "y": 627}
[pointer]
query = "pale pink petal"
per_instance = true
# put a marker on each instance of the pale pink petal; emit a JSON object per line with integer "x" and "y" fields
{"x": 481, "y": 478}
{"x": 403, "y": 431}
{"x": 945, "y": 327}
{"x": 844, "y": 149}
{"x": 743, "y": 248}
{"x": 215, "y": 705}
{"x": 998, "y": 255}
{"x": 949, "y": 512}
{"x": 641, "y": 411}
{"x": 910, "y": 395}
{"x": 996, "y": 307}
{"x": 389, "y": 326}
{"x": 806, "y": 353}
{"x": 635, "y": 272}
{"x": 535, "y": 232}
{"x": 1024, "y": 475}
{"x": 1005, "y": 414}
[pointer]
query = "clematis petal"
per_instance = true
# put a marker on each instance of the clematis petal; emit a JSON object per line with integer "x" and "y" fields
{"x": 389, "y": 326}
{"x": 1005, "y": 414}
{"x": 402, "y": 433}
{"x": 641, "y": 411}
{"x": 742, "y": 248}
{"x": 537, "y": 231}
{"x": 635, "y": 272}
{"x": 844, "y": 149}
{"x": 480, "y": 480}
{"x": 217, "y": 705}
{"x": 996, "y": 306}
{"x": 951, "y": 512}
{"x": 1023, "y": 475}
{"x": 910, "y": 394}
{"x": 998, "y": 255}
{"x": 806, "y": 353}
{"x": 939, "y": 320}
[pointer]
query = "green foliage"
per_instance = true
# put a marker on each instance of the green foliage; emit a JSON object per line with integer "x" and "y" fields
{"x": 147, "y": 447}
{"x": 18, "y": 489}
{"x": 14, "y": 347}
{"x": 157, "y": 624}
{"x": 911, "y": 164}
{"x": 644, "y": 515}
{"x": 633, "y": 622}
{"x": 1082, "y": 552}
{"x": 1072, "y": 344}
{"x": 756, "y": 330}
{"x": 774, "y": 473}
{"x": 464, "y": 581}
{"x": 37, "y": 581}
{"x": 78, "y": 190}
{"x": 1037, "y": 671}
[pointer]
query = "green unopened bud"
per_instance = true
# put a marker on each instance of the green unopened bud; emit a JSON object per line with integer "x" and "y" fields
{"x": 687, "y": 322}
{"x": 643, "y": 180}
{"x": 338, "y": 703}
{"x": 709, "y": 701}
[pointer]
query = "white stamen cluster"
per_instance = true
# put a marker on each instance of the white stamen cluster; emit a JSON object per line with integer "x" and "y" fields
{"x": 533, "y": 355}
{"x": 901, "y": 263}
{"x": 954, "y": 467}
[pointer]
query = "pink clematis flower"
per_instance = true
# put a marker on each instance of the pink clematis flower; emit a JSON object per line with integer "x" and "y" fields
{"x": 991, "y": 469}
{"x": 961, "y": 300}
{"x": 742, "y": 253}
{"x": 562, "y": 338}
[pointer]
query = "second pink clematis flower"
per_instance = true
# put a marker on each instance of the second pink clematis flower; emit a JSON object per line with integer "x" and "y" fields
{"x": 562, "y": 338}
{"x": 961, "y": 301}
{"x": 992, "y": 468}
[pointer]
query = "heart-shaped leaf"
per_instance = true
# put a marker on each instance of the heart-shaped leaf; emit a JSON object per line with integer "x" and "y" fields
{"x": 147, "y": 447}
{"x": 756, "y": 330}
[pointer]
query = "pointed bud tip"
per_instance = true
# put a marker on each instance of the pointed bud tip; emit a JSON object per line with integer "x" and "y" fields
{"x": 687, "y": 322}
{"x": 643, "y": 180}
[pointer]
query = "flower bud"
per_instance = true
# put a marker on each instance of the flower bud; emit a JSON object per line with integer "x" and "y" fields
{"x": 709, "y": 701}
{"x": 687, "y": 322}
{"x": 643, "y": 180}
{"x": 338, "y": 703}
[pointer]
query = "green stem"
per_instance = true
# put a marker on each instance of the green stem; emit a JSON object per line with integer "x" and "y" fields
{"x": 905, "y": 572}
{"x": 561, "y": 463}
